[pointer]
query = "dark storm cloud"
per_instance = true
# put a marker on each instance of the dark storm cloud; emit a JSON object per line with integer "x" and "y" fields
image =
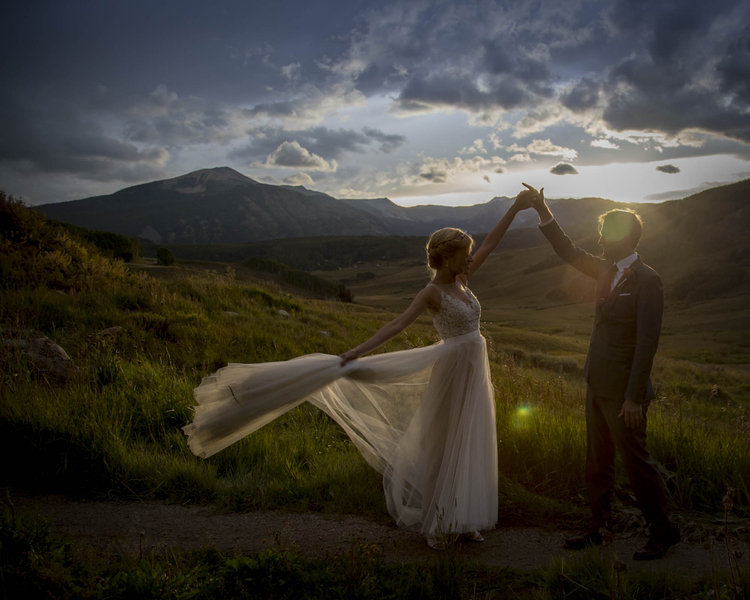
{"x": 668, "y": 29}
{"x": 227, "y": 50}
{"x": 447, "y": 90}
{"x": 671, "y": 110}
{"x": 689, "y": 69}
{"x": 734, "y": 69}
{"x": 388, "y": 141}
{"x": 520, "y": 84}
{"x": 175, "y": 130}
{"x": 563, "y": 168}
{"x": 166, "y": 119}
{"x": 109, "y": 56}
{"x": 669, "y": 169}
{"x": 287, "y": 108}
{"x": 583, "y": 96}
{"x": 635, "y": 53}
{"x": 460, "y": 91}
{"x": 474, "y": 56}
{"x": 53, "y": 138}
{"x": 499, "y": 60}
{"x": 334, "y": 142}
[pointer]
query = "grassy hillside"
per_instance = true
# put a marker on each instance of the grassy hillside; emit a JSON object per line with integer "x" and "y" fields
{"x": 269, "y": 273}
{"x": 516, "y": 293}
{"x": 113, "y": 427}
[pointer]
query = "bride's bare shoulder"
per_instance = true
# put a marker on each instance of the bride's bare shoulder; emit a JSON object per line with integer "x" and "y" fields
{"x": 432, "y": 296}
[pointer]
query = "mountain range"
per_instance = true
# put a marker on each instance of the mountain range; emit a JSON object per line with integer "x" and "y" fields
{"x": 222, "y": 206}
{"x": 700, "y": 242}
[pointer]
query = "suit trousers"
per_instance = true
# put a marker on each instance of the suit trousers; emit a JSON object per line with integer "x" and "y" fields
{"x": 605, "y": 432}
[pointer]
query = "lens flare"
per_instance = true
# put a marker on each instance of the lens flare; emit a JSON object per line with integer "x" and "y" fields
{"x": 521, "y": 416}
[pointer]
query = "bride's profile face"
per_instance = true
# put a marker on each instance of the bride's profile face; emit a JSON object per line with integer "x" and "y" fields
{"x": 459, "y": 263}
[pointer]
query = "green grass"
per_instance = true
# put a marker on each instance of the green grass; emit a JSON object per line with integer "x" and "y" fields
{"x": 114, "y": 428}
{"x": 120, "y": 416}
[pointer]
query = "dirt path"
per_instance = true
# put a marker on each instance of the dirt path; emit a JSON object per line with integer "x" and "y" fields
{"x": 142, "y": 527}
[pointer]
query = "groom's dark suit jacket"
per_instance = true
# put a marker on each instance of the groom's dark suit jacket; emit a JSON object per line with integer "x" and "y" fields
{"x": 626, "y": 325}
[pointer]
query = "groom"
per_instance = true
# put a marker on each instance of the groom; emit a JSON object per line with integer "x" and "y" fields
{"x": 626, "y": 330}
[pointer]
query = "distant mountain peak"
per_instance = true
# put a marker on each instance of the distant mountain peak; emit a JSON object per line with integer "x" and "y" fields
{"x": 221, "y": 173}
{"x": 196, "y": 182}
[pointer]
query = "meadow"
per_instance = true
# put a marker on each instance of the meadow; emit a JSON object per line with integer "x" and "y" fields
{"x": 112, "y": 429}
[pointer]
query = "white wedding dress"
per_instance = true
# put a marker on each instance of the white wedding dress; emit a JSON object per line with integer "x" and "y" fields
{"x": 424, "y": 417}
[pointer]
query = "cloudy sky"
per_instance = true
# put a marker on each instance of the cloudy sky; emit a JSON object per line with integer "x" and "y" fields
{"x": 449, "y": 102}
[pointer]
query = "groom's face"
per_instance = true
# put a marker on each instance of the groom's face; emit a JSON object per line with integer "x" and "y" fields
{"x": 615, "y": 240}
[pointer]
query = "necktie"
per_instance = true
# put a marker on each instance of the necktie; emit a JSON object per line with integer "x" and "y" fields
{"x": 605, "y": 284}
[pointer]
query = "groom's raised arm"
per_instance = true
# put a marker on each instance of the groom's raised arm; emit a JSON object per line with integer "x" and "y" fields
{"x": 580, "y": 259}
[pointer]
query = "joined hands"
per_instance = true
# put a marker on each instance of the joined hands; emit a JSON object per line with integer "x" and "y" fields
{"x": 534, "y": 198}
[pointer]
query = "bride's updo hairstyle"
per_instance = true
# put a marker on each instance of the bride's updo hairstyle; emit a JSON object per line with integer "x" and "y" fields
{"x": 444, "y": 243}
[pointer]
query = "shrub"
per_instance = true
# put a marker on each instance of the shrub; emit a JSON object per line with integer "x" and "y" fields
{"x": 164, "y": 257}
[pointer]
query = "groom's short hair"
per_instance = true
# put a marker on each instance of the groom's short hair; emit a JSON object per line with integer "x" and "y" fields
{"x": 624, "y": 222}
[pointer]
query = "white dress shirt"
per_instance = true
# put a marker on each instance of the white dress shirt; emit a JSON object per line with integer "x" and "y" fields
{"x": 621, "y": 265}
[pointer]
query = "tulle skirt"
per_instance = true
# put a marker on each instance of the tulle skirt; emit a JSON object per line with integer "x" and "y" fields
{"x": 424, "y": 418}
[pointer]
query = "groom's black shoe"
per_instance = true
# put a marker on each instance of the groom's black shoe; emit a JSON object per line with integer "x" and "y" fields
{"x": 661, "y": 540}
{"x": 590, "y": 537}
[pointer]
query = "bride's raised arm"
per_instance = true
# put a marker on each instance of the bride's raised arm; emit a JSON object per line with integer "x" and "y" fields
{"x": 523, "y": 201}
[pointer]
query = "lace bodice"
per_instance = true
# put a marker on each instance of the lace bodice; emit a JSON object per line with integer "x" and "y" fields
{"x": 455, "y": 316}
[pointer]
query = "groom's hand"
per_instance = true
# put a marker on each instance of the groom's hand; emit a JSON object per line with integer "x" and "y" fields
{"x": 538, "y": 203}
{"x": 632, "y": 414}
{"x": 536, "y": 197}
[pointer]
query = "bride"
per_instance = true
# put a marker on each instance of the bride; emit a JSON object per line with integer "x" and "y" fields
{"x": 423, "y": 417}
